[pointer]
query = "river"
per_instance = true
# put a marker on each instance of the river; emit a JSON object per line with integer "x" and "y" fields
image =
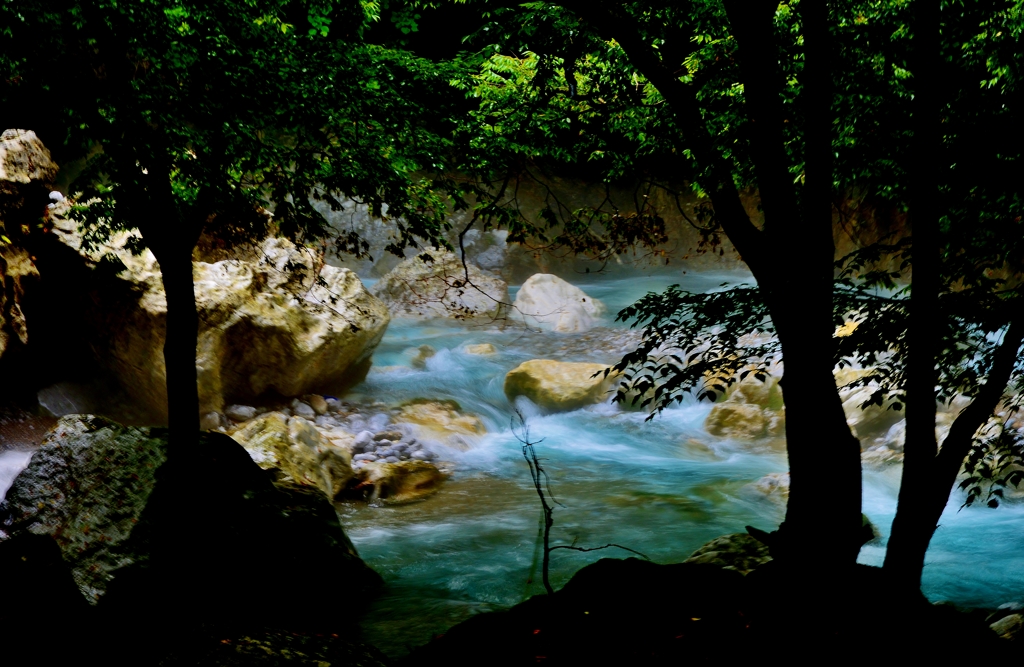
{"x": 662, "y": 487}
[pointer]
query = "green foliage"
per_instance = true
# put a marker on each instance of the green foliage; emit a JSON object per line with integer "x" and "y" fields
{"x": 204, "y": 114}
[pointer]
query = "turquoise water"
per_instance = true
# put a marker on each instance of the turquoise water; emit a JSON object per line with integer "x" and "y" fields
{"x": 662, "y": 487}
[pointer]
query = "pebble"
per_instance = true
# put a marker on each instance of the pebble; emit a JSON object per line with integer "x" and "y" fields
{"x": 363, "y": 438}
{"x": 387, "y": 453}
{"x": 318, "y": 403}
{"x": 333, "y": 404}
{"x": 304, "y": 410}
{"x": 420, "y": 455}
{"x": 388, "y": 435}
{"x": 240, "y": 413}
{"x": 364, "y": 457}
{"x": 326, "y": 421}
{"x": 391, "y": 459}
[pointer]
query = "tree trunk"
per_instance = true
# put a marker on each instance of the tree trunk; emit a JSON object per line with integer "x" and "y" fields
{"x": 180, "y": 345}
{"x": 917, "y": 513}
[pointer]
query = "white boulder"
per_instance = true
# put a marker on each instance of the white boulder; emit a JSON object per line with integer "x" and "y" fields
{"x": 548, "y": 302}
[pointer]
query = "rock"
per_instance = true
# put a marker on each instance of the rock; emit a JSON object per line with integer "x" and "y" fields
{"x": 17, "y": 273}
{"x": 423, "y": 352}
{"x": 774, "y": 485}
{"x": 26, "y": 169}
{"x": 363, "y": 438}
{"x": 210, "y": 421}
{"x": 294, "y": 450}
{"x": 396, "y": 482}
{"x": 267, "y": 327}
{"x": 420, "y": 289}
{"x": 318, "y": 403}
{"x": 303, "y": 410}
{"x": 548, "y": 302}
{"x": 440, "y": 419}
{"x": 387, "y": 435}
{"x": 755, "y": 392}
{"x": 741, "y": 421}
{"x": 751, "y": 410}
{"x": 738, "y": 551}
{"x": 1009, "y": 627}
{"x": 240, "y": 413}
{"x": 481, "y": 349}
{"x": 559, "y": 385}
{"x": 333, "y": 405}
{"x": 138, "y": 535}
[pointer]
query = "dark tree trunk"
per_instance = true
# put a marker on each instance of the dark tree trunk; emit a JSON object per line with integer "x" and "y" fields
{"x": 180, "y": 344}
{"x": 916, "y": 514}
{"x": 823, "y": 520}
{"x": 172, "y": 237}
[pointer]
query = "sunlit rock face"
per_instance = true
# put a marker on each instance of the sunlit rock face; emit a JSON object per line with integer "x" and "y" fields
{"x": 548, "y": 302}
{"x": 279, "y": 325}
{"x": 438, "y": 289}
{"x": 293, "y": 449}
{"x": 25, "y": 168}
{"x": 441, "y": 420}
{"x": 559, "y": 386}
{"x": 26, "y": 173}
{"x": 135, "y": 533}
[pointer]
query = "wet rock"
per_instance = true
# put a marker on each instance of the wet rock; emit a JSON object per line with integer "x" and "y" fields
{"x": 423, "y": 352}
{"x": 437, "y": 288}
{"x": 548, "y": 302}
{"x": 387, "y": 435}
{"x": 751, "y": 410}
{"x": 333, "y": 405}
{"x": 738, "y": 551}
{"x": 295, "y": 452}
{"x": 240, "y": 413}
{"x": 741, "y": 421}
{"x": 559, "y": 385}
{"x": 774, "y": 485}
{"x": 397, "y": 482}
{"x": 441, "y": 420}
{"x": 137, "y": 541}
{"x": 318, "y": 403}
{"x": 481, "y": 349}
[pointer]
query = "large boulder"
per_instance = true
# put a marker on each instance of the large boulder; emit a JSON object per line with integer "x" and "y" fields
{"x": 293, "y": 449}
{"x": 282, "y": 325}
{"x": 559, "y": 385}
{"x": 209, "y": 531}
{"x": 26, "y": 168}
{"x": 548, "y": 302}
{"x": 433, "y": 285}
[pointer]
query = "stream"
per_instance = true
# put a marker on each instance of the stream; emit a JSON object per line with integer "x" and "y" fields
{"x": 662, "y": 487}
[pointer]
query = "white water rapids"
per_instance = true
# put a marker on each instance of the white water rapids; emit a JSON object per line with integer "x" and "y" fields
{"x": 662, "y": 487}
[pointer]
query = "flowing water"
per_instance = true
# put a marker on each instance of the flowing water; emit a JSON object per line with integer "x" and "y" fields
{"x": 662, "y": 487}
